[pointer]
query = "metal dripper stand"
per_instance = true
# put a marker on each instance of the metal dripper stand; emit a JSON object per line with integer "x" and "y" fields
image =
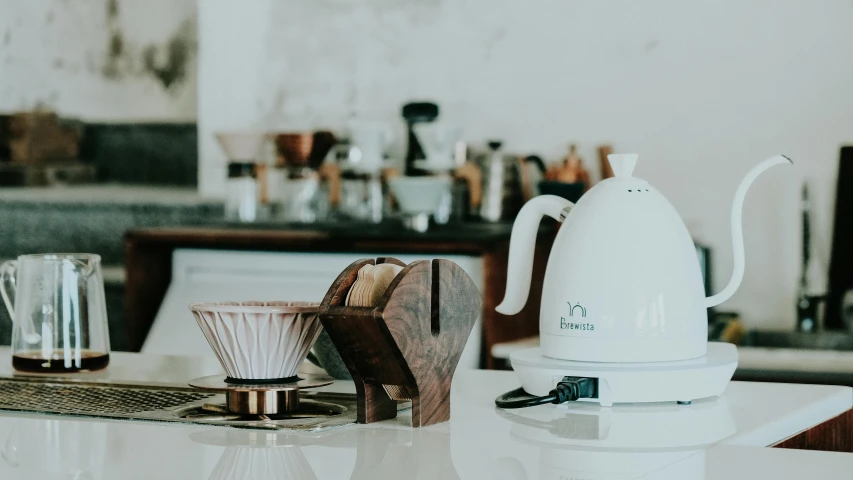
{"x": 263, "y": 397}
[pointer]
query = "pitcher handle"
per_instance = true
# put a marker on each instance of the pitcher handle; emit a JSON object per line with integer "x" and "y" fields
{"x": 7, "y": 284}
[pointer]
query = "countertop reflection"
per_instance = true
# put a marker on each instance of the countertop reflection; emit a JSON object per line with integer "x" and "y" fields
{"x": 580, "y": 440}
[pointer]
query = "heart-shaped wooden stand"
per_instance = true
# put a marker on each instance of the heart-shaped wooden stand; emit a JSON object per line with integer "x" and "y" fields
{"x": 407, "y": 346}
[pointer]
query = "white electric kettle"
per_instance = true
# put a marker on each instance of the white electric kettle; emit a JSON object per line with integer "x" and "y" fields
{"x": 623, "y": 283}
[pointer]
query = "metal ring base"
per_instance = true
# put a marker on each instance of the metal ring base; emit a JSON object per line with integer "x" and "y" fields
{"x": 260, "y": 399}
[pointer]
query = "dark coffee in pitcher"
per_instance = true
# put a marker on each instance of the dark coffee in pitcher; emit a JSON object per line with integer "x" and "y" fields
{"x": 36, "y": 363}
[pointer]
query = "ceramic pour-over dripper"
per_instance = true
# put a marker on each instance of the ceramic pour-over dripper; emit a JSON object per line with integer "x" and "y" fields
{"x": 437, "y": 141}
{"x": 241, "y": 147}
{"x": 419, "y": 197}
{"x": 303, "y": 149}
{"x": 369, "y": 141}
{"x": 259, "y": 340}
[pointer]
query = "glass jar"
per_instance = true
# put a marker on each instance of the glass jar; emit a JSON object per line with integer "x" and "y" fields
{"x": 241, "y": 192}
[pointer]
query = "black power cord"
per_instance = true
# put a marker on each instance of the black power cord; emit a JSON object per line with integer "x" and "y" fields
{"x": 568, "y": 389}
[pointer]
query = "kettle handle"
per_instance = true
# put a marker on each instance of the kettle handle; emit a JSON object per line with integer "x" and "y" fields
{"x": 8, "y": 286}
{"x": 521, "y": 247}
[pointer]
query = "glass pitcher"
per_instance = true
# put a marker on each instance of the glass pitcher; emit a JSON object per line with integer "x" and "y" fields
{"x": 56, "y": 302}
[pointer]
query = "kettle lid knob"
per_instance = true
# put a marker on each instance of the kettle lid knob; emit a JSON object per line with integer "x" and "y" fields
{"x": 622, "y": 163}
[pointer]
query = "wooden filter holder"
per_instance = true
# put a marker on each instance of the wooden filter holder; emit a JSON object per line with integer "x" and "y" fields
{"x": 408, "y": 346}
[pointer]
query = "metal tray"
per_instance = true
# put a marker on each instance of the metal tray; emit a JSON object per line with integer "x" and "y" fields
{"x": 318, "y": 410}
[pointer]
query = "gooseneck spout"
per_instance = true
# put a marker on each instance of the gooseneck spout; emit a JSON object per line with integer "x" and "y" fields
{"x": 737, "y": 228}
{"x": 521, "y": 247}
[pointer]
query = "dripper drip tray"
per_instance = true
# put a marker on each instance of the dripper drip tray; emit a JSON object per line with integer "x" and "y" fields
{"x": 316, "y": 411}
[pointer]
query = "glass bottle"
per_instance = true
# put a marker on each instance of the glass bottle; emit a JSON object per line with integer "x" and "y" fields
{"x": 241, "y": 202}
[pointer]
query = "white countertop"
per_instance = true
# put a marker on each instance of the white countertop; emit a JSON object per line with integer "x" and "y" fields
{"x": 710, "y": 439}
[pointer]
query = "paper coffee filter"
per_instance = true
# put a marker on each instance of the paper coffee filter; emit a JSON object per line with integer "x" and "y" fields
{"x": 371, "y": 284}
{"x": 383, "y": 275}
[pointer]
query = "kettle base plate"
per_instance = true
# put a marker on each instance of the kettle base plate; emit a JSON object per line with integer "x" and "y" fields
{"x": 677, "y": 381}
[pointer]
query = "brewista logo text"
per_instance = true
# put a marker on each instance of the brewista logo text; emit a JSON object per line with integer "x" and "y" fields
{"x": 567, "y": 325}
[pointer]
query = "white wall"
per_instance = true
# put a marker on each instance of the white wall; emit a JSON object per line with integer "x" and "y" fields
{"x": 56, "y": 54}
{"x": 702, "y": 90}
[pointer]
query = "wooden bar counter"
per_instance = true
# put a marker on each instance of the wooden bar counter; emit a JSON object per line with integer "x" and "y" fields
{"x": 148, "y": 263}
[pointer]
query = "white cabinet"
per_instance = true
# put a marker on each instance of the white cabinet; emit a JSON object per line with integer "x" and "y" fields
{"x": 221, "y": 275}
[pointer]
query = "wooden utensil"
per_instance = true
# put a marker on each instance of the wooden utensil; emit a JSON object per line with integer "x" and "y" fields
{"x": 387, "y": 174}
{"x": 331, "y": 173}
{"x": 603, "y": 152}
{"x": 262, "y": 174}
{"x": 471, "y": 174}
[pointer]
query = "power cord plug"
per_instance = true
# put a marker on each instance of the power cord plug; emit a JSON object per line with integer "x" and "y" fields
{"x": 568, "y": 389}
